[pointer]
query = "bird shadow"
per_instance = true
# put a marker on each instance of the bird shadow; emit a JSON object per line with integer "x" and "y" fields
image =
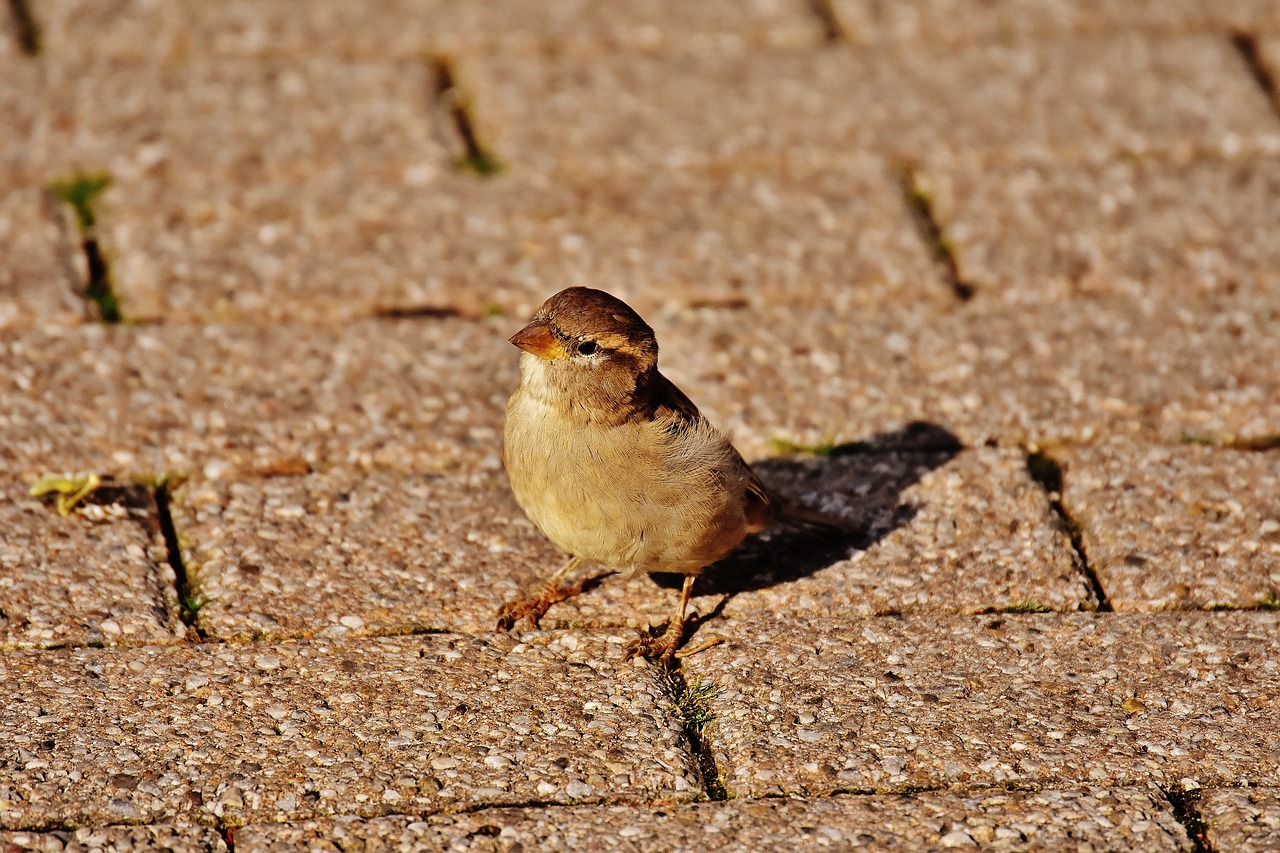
{"x": 861, "y": 483}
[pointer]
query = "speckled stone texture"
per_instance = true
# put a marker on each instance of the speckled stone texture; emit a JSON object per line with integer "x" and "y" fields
{"x": 1096, "y": 819}
{"x": 96, "y": 576}
{"x": 283, "y": 732}
{"x": 252, "y": 207}
{"x": 274, "y": 557}
{"x": 419, "y": 395}
{"x": 340, "y": 553}
{"x": 808, "y": 707}
{"x": 1010, "y": 374}
{"x": 970, "y": 534}
{"x": 1242, "y": 819}
{"x": 410, "y": 28}
{"x": 117, "y": 839}
{"x": 1146, "y": 93}
{"x": 868, "y": 21}
{"x": 1177, "y": 527}
{"x": 1041, "y": 229}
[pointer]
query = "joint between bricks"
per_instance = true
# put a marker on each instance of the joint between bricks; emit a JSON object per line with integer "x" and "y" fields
{"x": 449, "y": 97}
{"x": 25, "y": 26}
{"x": 1246, "y": 44}
{"x": 1048, "y": 472}
{"x": 920, "y": 204}
{"x": 689, "y": 704}
{"x": 1186, "y": 810}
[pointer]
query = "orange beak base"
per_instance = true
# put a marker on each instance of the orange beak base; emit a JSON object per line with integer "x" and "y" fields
{"x": 538, "y": 339}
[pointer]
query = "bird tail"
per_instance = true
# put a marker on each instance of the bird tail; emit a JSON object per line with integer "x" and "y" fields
{"x": 801, "y": 517}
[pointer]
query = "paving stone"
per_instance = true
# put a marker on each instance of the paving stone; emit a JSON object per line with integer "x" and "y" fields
{"x": 969, "y": 534}
{"x": 256, "y": 732}
{"x": 354, "y": 553}
{"x": 1111, "y": 364}
{"x": 1177, "y": 527}
{"x": 1044, "y": 229}
{"x": 230, "y": 178}
{"x": 866, "y": 21}
{"x": 96, "y": 576}
{"x": 1242, "y": 819}
{"x": 34, "y": 280}
{"x": 228, "y": 400}
{"x": 254, "y": 206}
{"x": 815, "y": 706}
{"x": 180, "y": 839}
{"x": 1098, "y": 819}
{"x": 1144, "y": 93}
{"x": 410, "y": 28}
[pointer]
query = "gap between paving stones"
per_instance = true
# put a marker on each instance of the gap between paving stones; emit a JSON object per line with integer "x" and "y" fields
{"x": 1186, "y": 808}
{"x": 1247, "y": 44}
{"x": 1047, "y": 471}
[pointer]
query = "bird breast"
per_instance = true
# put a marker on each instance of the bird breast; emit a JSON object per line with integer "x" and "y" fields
{"x": 636, "y": 495}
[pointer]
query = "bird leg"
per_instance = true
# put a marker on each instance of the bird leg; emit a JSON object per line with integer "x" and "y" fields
{"x": 537, "y": 604}
{"x": 664, "y": 646}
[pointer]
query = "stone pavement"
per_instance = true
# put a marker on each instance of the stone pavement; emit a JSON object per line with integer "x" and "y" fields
{"x": 999, "y": 282}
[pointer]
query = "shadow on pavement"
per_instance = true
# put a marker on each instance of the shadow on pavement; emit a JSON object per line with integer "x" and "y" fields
{"x": 861, "y": 483}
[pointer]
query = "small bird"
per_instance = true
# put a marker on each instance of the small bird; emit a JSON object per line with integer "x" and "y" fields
{"x": 615, "y": 464}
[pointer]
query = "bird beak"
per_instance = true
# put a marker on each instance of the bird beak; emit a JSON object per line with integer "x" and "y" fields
{"x": 537, "y": 338}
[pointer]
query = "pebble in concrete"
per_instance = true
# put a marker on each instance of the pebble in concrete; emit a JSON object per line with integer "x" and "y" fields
{"x": 284, "y": 732}
{"x": 94, "y": 577}
{"x": 969, "y": 534}
{"x": 1092, "y": 820}
{"x": 116, "y": 839}
{"x": 820, "y": 706}
{"x": 1246, "y": 820}
{"x": 1177, "y": 527}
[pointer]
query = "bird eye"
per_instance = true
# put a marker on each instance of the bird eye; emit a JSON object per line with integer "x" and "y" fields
{"x": 588, "y": 348}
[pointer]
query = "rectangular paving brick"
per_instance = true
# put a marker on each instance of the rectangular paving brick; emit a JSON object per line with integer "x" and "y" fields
{"x": 1013, "y": 374}
{"x": 178, "y": 838}
{"x": 1043, "y": 229}
{"x": 94, "y": 577}
{"x": 1177, "y": 527}
{"x": 411, "y": 395}
{"x": 969, "y": 533}
{"x": 809, "y": 707}
{"x": 410, "y": 28}
{"x": 1096, "y": 819}
{"x": 255, "y": 732}
{"x": 866, "y": 21}
{"x": 1243, "y": 819}
{"x": 1143, "y": 93}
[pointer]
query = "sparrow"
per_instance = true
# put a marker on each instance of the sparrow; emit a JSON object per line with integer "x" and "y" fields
{"x": 616, "y": 466}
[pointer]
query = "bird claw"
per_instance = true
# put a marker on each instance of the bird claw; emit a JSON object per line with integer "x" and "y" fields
{"x": 535, "y": 606}
{"x": 661, "y": 648}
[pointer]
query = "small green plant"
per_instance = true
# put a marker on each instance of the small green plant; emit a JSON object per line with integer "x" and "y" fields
{"x": 68, "y": 491}
{"x": 81, "y": 193}
{"x": 691, "y": 704}
{"x": 1270, "y": 601}
{"x": 1027, "y": 607}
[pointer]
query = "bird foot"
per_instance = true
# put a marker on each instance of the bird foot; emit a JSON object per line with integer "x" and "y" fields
{"x": 662, "y": 647}
{"x": 535, "y": 606}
